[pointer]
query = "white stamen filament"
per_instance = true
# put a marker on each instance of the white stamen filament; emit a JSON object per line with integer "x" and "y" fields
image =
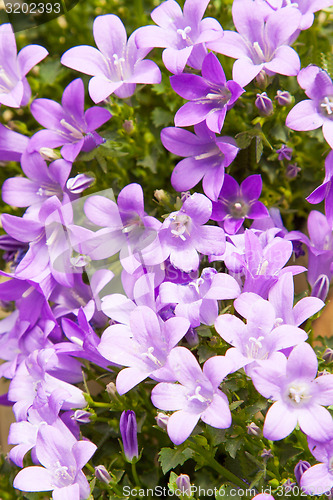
{"x": 118, "y": 63}
{"x": 74, "y": 131}
{"x": 258, "y": 51}
{"x": 149, "y": 354}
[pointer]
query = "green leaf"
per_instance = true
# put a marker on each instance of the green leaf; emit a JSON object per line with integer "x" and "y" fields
{"x": 233, "y": 445}
{"x": 235, "y": 404}
{"x": 161, "y": 117}
{"x": 169, "y": 458}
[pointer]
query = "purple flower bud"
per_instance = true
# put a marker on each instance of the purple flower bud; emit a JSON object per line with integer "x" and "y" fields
{"x": 184, "y": 484}
{"x": 102, "y": 474}
{"x": 283, "y": 98}
{"x": 262, "y": 79}
{"x": 292, "y": 170}
{"x": 321, "y": 287}
{"x": 284, "y": 153}
{"x": 264, "y": 104}
{"x": 328, "y": 355}
{"x": 266, "y": 453}
{"x": 162, "y": 420}
{"x": 81, "y": 416}
{"x": 253, "y": 429}
{"x": 192, "y": 337}
{"x": 128, "y": 430}
{"x": 300, "y": 468}
{"x": 79, "y": 183}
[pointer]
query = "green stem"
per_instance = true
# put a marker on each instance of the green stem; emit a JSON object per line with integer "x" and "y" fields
{"x": 218, "y": 467}
{"x": 135, "y": 475}
{"x": 98, "y": 404}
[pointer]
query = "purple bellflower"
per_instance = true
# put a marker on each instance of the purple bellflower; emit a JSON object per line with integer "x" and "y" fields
{"x": 68, "y": 125}
{"x": 317, "y": 111}
{"x": 196, "y": 396}
{"x": 14, "y": 87}
{"x": 62, "y": 462}
{"x": 42, "y": 182}
{"x": 306, "y": 7}
{"x": 318, "y": 480}
{"x": 325, "y": 191}
{"x": 298, "y": 395}
{"x": 197, "y": 300}
{"x": 12, "y": 144}
{"x": 117, "y": 66}
{"x": 281, "y": 295}
{"x": 128, "y": 431}
{"x": 300, "y": 468}
{"x": 183, "y": 34}
{"x": 143, "y": 347}
{"x": 261, "y": 43}
{"x": 183, "y": 234}
{"x": 320, "y": 247}
{"x": 260, "y": 338}
{"x": 235, "y": 203}
{"x": 127, "y": 227}
{"x": 206, "y": 158}
{"x": 210, "y": 95}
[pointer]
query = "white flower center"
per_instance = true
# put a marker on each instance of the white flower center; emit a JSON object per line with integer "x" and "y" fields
{"x": 184, "y": 34}
{"x": 180, "y": 225}
{"x": 298, "y": 393}
{"x": 62, "y": 475}
{"x": 149, "y": 354}
{"x": 327, "y": 106}
{"x": 259, "y": 52}
{"x": 254, "y": 349}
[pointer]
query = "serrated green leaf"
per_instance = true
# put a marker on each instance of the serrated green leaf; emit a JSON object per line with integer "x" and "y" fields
{"x": 233, "y": 445}
{"x": 161, "y": 117}
{"x": 169, "y": 458}
{"x": 235, "y": 404}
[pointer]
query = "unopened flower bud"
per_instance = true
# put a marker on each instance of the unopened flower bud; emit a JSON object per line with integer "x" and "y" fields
{"x": 328, "y": 355}
{"x": 300, "y": 468}
{"x": 128, "y": 126}
{"x": 79, "y": 183}
{"x": 264, "y": 104}
{"x": 128, "y": 431}
{"x": 292, "y": 170}
{"x": 111, "y": 390}
{"x": 266, "y": 453}
{"x": 49, "y": 154}
{"x": 262, "y": 79}
{"x": 283, "y": 98}
{"x": 184, "y": 484}
{"x": 161, "y": 195}
{"x": 81, "y": 416}
{"x": 284, "y": 153}
{"x": 192, "y": 337}
{"x": 162, "y": 420}
{"x": 253, "y": 429}
{"x": 102, "y": 474}
{"x": 321, "y": 287}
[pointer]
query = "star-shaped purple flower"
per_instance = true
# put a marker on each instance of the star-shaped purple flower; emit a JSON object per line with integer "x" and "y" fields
{"x": 117, "y": 66}
{"x": 206, "y": 157}
{"x": 14, "y": 87}
{"x": 262, "y": 42}
{"x": 298, "y": 395}
{"x": 68, "y": 125}
{"x": 182, "y": 33}
{"x": 196, "y": 396}
{"x": 235, "y": 203}
{"x": 210, "y": 95}
{"x": 317, "y": 111}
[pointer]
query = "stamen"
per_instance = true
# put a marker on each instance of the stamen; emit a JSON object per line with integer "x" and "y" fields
{"x": 74, "y": 131}
{"x": 258, "y": 51}
{"x": 327, "y": 105}
{"x": 183, "y": 33}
